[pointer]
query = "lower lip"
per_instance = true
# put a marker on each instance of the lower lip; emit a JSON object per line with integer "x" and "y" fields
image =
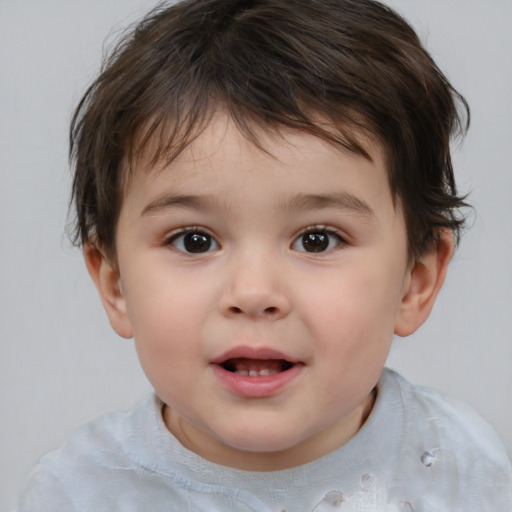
{"x": 259, "y": 386}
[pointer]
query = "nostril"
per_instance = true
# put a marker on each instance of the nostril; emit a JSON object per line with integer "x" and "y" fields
{"x": 271, "y": 310}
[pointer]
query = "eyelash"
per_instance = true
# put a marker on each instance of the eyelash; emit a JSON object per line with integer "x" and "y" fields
{"x": 209, "y": 243}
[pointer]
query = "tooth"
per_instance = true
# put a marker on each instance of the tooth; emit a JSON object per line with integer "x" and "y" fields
{"x": 256, "y": 372}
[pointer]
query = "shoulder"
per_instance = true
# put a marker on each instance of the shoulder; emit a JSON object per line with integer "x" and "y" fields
{"x": 105, "y": 441}
{"x": 43, "y": 493}
{"x": 450, "y": 421}
{"x": 451, "y": 446}
{"x": 96, "y": 452}
{"x": 121, "y": 461}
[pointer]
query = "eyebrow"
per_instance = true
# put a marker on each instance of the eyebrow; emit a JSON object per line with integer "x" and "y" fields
{"x": 298, "y": 203}
{"x": 340, "y": 200}
{"x": 177, "y": 201}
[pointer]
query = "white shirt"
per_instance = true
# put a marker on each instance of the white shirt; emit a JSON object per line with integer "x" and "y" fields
{"x": 418, "y": 451}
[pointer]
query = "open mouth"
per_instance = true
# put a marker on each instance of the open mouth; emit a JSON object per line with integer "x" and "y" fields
{"x": 259, "y": 372}
{"x": 256, "y": 367}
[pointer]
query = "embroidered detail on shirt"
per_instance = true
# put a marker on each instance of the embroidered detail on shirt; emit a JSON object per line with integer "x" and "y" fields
{"x": 428, "y": 458}
{"x": 331, "y": 501}
{"x": 371, "y": 498}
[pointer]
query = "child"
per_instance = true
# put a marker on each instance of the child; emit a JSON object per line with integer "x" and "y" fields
{"x": 264, "y": 196}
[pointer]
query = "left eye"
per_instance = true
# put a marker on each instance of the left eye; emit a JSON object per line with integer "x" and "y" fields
{"x": 320, "y": 240}
{"x": 193, "y": 242}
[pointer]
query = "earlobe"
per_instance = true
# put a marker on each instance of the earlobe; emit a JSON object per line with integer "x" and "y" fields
{"x": 107, "y": 281}
{"x": 423, "y": 283}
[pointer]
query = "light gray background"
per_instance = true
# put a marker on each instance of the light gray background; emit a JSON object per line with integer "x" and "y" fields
{"x": 61, "y": 364}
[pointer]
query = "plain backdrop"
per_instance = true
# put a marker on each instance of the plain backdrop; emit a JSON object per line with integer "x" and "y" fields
{"x": 60, "y": 363}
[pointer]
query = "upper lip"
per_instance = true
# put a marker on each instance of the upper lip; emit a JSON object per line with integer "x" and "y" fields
{"x": 247, "y": 352}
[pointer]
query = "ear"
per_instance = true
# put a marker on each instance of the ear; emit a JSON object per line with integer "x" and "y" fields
{"x": 107, "y": 280}
{"x": 423, "y": 283}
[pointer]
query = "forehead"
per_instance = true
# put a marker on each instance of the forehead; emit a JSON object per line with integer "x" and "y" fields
{"x": 280, "y": 160}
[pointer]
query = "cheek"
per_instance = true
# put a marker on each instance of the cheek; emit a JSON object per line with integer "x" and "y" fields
{"x": 357, "y": 309}
{"x": 166, "y": 315}
{"x": 167, "y": 341}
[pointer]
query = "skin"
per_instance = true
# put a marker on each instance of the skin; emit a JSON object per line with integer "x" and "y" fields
{"x": 332, "y": 312}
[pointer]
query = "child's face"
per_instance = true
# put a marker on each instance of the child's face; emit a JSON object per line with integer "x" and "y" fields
{"x": 262, "y": 291}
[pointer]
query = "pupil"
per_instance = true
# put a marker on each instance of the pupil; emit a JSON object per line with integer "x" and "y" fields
{"x": 315, "y": 242}
{"x": 197, "y": 242}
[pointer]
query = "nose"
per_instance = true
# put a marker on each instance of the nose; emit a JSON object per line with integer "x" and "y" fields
{"x": 255, "y": 288}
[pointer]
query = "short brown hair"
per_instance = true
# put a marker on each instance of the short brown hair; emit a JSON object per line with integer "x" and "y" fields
{"x": 355, "y": 63}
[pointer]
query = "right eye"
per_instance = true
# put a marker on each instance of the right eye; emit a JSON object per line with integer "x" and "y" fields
{"x": 193, "y": 242}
